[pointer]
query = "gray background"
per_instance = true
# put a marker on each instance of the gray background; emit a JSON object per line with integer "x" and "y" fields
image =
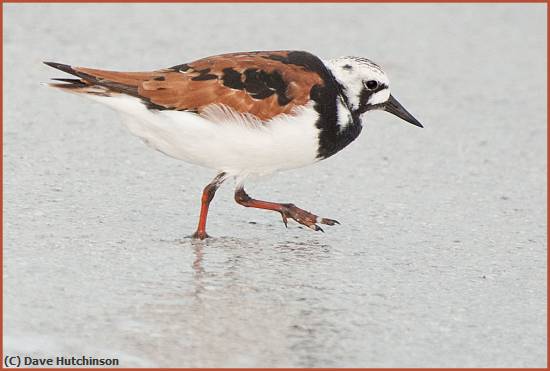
{"x": 441, "y": 256}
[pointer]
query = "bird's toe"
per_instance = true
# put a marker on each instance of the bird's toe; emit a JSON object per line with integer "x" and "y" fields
{"x": 329, "y": 221}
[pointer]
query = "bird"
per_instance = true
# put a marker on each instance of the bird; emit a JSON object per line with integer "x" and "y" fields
{"x": 245, "y": 114}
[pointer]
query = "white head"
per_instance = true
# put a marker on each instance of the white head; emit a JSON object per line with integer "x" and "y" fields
{"x": 366, "y": 87}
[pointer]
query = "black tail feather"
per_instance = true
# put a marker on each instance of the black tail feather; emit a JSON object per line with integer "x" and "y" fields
{"x": 72, "y": 81}
{"x": 92, "y": 80}
{"x": 72, "y": 71}
{"x": 62, "y": 67}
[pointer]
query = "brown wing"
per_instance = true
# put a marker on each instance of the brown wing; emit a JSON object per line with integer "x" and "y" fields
{"x": 264, "y": 84}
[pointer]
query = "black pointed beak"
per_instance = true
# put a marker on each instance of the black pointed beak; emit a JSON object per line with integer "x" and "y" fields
{"x": 394, "y": 107}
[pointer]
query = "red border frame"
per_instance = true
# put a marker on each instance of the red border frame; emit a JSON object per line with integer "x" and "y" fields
{"x": 274, "y": 1}
{"x": 253, "y": 1}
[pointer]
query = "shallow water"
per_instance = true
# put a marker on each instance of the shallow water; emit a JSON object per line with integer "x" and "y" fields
{"x": 441, "y": 256}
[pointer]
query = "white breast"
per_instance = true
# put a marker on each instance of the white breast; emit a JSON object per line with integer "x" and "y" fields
{"x": 224, "y": 140}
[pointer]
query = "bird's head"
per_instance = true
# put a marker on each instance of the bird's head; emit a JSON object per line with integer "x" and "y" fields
{"x": 366, "y": 87}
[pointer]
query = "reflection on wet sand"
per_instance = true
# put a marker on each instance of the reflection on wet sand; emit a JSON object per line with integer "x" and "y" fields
{"x": 250, "y": 284}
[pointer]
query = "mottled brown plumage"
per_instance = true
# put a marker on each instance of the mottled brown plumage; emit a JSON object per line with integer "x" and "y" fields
{"x": 245, "y": 114}
{"x": 257, "y": 83}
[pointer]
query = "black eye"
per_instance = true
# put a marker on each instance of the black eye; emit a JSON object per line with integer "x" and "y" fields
{"x": 371, "y": 84}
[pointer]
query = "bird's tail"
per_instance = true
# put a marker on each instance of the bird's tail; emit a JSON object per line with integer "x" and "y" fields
{"x": 98, "y": 82}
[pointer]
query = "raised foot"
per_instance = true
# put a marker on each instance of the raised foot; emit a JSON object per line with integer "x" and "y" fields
{"x": 200, "y": 235}
{"x": 304, "y": 217}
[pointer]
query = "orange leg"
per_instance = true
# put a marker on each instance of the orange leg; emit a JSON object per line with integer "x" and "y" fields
{"x": 207, "y": 196}
{"x": 286, "y": 210}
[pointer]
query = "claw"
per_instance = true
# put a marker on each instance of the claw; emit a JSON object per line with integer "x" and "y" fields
{"x": 329, "y": 221}
{"x": 315, "y": 227}
{"x": 285, "y": 220}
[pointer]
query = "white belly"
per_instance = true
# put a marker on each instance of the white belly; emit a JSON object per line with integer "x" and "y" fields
{"x": 224, "y": 142}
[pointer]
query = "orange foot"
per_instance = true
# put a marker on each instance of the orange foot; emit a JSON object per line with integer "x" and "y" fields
{"x": 200, "y": 235}
{"x": 304, "y": 217}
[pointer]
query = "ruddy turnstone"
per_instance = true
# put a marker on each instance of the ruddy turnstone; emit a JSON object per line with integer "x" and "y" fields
{"x": 245, "y": 114}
